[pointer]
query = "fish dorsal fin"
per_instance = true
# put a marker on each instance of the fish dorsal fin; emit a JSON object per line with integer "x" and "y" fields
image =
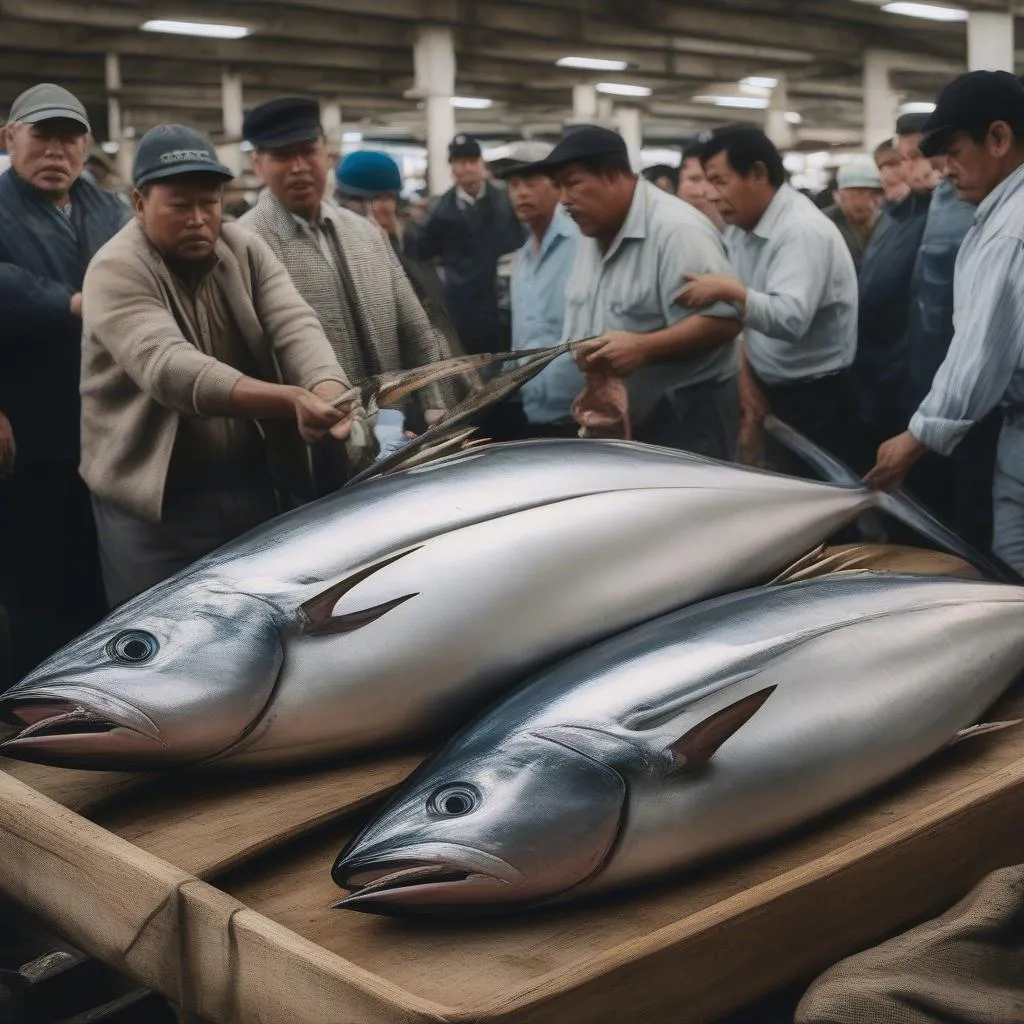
{"x": 698, "y": 745}
{"x": 316, "y": 616}
{"x": 983, "y": 730}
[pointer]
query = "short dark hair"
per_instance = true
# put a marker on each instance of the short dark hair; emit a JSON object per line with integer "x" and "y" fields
{"x": 606, "y": 165}
{"x": 746, "y": 146}
{"x": 694, "y": 151}
{"x": 884, "y": 147}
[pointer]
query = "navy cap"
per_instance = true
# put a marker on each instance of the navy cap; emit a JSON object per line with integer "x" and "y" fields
{"x": 971, "y": 103}
{"x": 170, "y": 150}
{"x": 582, "y": 143}
{"x": 464, "y": 146}
{"x": 911, "y": 124}
{"x": 282, "y": 122}
{"x": 368, "y": 173}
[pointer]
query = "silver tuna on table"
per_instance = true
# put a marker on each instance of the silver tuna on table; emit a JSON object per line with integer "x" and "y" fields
{"x": 396, "y": 608}
{"x": 698, "y": 733}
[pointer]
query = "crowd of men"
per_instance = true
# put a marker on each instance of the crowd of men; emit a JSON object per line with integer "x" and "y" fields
{"x": 170, "y": 377}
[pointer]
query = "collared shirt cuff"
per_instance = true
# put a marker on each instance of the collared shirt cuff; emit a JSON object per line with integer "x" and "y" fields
{"x": 722, "y": 309}
{"x": 939, "y": 435}
{"x": 757, "y": 312}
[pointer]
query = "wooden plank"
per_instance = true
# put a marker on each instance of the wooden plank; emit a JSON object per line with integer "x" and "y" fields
{"x": 904, "y": 852}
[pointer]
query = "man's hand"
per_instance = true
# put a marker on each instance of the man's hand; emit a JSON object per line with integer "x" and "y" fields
{"x": 76, "y": 304}
{"x": 8, "y": 449}
{"x": 619, "y": 353}
{"x": 703, "y": 290}
{"x": 317, "y": 418}
{"x": 894, "y": 461}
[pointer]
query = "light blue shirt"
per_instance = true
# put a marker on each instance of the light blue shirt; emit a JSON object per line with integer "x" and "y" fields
{"x": 801, "y": 319}
{"x": 538, "y": 312}
{"x": 985, "y": 362}
{"x": 632, "y": 286}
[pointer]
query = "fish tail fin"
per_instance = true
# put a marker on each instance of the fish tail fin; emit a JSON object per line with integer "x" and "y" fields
{"x": 899, "y": 504}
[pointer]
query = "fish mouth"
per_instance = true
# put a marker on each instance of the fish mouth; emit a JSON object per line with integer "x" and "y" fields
{"x": 425, "y": 875}
{"x": 44, "y": 718}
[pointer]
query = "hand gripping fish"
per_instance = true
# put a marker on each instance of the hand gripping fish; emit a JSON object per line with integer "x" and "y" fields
{"x": 397, "y": 608}
{"x": 701, "y": 732}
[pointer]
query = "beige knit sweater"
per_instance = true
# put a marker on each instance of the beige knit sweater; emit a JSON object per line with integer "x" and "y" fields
{"x": 142, "y": 371}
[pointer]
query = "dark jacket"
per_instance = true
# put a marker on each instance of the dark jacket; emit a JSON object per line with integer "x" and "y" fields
{"x": 43, "y": 256}
{"x": 855, "y": 241}
{"x": 469, "y": 243}
{"x": 885, "y": 281}
{"x": 930, "y": 324}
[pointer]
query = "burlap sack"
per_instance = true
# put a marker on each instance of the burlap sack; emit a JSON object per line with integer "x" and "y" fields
{"x": 966, "y": 967}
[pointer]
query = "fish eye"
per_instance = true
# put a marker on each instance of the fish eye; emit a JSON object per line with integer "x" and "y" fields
{"x": 455, "y": 800}
{"x": 132, "y": 647}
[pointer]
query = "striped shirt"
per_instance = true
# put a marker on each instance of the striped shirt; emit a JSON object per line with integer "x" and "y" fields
{"x": 801, "y": 318}
{"x": 985, "y": 362}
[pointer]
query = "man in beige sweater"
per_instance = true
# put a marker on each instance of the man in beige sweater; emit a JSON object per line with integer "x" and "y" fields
{"x": 203, "y": 372}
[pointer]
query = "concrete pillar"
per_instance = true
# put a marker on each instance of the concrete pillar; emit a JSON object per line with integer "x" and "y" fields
{"x": 115, "y": 125}
{"x": 605, "y": 110}
{"x": 776, "y": 127}
{"x": 231, "y": 104}
{"x": 880, "y": 100}
{"x": 330, "y": 119}
{"x": 434, "y": 62}
{"x": 627, "y": 120}
{"x": 584, "y": 104}
{"x": 990, "y": 41}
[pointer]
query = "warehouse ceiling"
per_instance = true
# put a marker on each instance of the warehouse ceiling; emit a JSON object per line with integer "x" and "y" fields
{"x": 359, "y": 53}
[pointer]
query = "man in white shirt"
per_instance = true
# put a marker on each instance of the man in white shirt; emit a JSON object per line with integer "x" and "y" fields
{"x": 797, "y": 286}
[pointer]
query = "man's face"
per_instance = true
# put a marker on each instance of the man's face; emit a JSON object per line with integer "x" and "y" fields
{"x": 384, "y": 208}
{"x": 693, "y": 185}
{"x": 534, "y": 196}
{"x": 49, "y": 155}
{"x": 860, "y": 206}
{"x": 973, "y": 166}
{"x": 916, "y": 168}
{"x": 738, "y": 198}
{"x": 890, "y": 167}
{"x": 587, "y": 198}
{"x": 468, "y": 171}
{"x": 182, "y": 217}
{"x": 296, "y": 174}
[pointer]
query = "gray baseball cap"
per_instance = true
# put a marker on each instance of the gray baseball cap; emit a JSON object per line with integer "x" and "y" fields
{"x": 171, "y": 150}
{"x": 45, "y": 102}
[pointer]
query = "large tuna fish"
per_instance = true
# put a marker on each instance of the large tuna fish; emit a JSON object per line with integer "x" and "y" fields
{"x": 700, "y": 732}
{"x": 390, "y": 609}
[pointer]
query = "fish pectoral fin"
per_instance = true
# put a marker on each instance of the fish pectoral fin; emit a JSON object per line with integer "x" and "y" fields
{"x": 317, "y": 618}
{"x": 983, "y": 729}
{"x": 698, "y": 745}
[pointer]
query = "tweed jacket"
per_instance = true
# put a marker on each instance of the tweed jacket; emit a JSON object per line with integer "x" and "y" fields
{"x": 142, "y": 370}
{"x": 390, "y": 316}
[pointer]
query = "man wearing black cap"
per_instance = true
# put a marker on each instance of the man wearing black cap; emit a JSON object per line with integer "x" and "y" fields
{"x": 194, "y": 334}
{"x": 340, "y": 263}
{"x": 679, "y": 366}
{"x": 885, "y": 279}
{"x": 978, "y": 124}
{"x": 52, "y": 220}
{"x": 469, "y": 229}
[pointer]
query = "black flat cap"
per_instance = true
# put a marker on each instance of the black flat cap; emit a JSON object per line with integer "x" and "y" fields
{"x": 282, "y": 122}
{"x": 464, "y": 146}
{"x": 911, "y": 124}
{"x": 171, "y": 150}
{"x": 971, "y": 103}
{"x": 581, "y": 143}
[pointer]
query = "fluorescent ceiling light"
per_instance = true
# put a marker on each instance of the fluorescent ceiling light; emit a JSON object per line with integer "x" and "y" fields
{"x": 197, "y": 28}
{"x": 739, "y": 102}
{"x": 351, "y": 136}
{"x": 792, "y": 117}
{"x": 928, "y": 11}
{"x": 592, "y": 63}
{"x": 621, "y": 89}
{"x": 471, "y": 102}
{"x": 759, "y": 82}
{"x": 110, "y": 148}
{"x": 917, "y": 108}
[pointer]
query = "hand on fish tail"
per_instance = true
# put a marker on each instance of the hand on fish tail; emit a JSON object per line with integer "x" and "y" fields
{"x": 899, "y": 504}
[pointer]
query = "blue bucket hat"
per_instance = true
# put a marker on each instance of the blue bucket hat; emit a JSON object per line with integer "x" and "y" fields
{"x": 368, "y": 173}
